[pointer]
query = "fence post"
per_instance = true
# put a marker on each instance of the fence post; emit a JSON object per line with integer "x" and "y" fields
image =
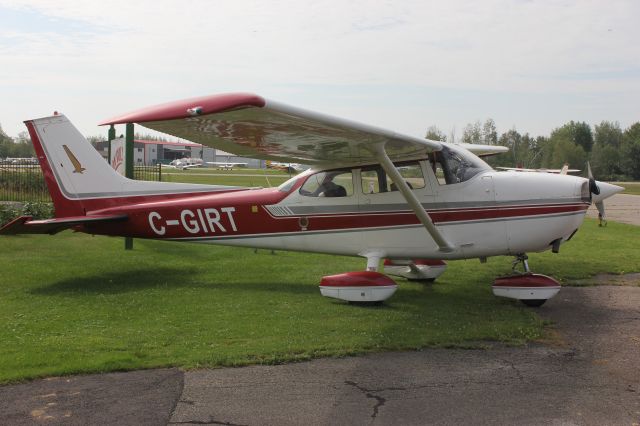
{"x": 128, "y": 169}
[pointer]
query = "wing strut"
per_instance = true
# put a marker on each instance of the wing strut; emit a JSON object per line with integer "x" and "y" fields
{"x": 412, "y": 200}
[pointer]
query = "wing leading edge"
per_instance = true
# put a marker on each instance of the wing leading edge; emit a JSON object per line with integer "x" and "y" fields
{"x": 250, "y": 126}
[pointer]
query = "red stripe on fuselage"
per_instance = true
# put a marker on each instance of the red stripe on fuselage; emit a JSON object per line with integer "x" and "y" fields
{"x": 242, "y": 213}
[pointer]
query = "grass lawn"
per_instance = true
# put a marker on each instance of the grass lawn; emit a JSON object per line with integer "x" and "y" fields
{"x": 630, "y": 187}
{"x": 74, "y": 303}
{"x": 239, "y": 177}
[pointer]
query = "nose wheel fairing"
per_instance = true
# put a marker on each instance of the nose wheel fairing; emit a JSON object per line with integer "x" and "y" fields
{"x": 531, "y": 289}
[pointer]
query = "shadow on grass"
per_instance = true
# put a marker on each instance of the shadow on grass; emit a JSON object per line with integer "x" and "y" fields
{"x": 158, "y": 278}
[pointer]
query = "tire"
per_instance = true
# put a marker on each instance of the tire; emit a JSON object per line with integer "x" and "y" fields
{"x": 533, "y": 303}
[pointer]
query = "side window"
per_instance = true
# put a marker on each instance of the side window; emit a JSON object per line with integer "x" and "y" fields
{"x": 375, "y": 180}
{"x": 334, "y": 183}
{"x": 412, "y": 174}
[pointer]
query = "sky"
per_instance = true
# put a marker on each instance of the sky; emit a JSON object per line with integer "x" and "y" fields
{"x": 401, "y": 65}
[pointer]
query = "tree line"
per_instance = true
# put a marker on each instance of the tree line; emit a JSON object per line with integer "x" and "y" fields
{"x": 614, "y": 153}
{"x": 19, "y": 147}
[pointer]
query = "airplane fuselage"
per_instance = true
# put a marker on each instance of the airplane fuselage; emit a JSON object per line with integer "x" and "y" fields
{"x": 493, "y": 213}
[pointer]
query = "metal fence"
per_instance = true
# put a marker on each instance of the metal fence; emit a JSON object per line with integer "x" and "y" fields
{"x": 25, "y": 182}
{"x": 22, "y": 182}
{"x": 153, "y": 173}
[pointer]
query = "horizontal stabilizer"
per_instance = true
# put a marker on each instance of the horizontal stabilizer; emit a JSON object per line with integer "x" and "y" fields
{"x": 24, "y": 224}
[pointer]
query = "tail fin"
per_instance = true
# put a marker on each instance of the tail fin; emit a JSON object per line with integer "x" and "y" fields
{"x": 76, "y": 173}
{"x": 73, "y": 169}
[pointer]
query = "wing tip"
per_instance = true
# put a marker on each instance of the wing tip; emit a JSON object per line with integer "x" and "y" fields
{"x": 190, "y": 107}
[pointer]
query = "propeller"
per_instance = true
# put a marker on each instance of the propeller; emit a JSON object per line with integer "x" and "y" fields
{"x": 593, "y": 185}
{"x": 599, "y": 192}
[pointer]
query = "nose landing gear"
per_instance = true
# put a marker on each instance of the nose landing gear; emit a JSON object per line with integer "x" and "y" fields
{"x": 531, "y": 289}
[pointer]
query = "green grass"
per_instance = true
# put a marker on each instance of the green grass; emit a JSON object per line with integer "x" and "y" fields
{"x": 236, "y": 171}
{"x": 241, "y": 177}
{"x": 630, "y": 188}
{"x": 76, "y": 304}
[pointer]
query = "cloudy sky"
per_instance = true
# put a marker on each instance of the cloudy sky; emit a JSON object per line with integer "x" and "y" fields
{"x": 402, "y": 65}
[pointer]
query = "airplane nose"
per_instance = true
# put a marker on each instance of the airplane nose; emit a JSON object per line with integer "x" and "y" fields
{"x": 606, "y": 191}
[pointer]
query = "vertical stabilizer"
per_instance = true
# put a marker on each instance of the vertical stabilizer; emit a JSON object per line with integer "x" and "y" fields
{"x": 73, "y": 169}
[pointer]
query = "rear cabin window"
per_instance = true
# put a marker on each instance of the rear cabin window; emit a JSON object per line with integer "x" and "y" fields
{"x": 375, "y": 180}
{"x": 333, "y": 183}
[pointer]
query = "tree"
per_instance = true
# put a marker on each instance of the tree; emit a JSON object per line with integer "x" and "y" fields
{"x": 434, "y": 134}
{"x": 524, "y": 151}
{"x": 605, "y": 156}
{"x": 472, "y": 133}
{"x": 630, "y": 158}
{"x": 20, "y": 148}
{"x": 566, "y": 151}
{"x": 489, "y": 132}
{"x": 578, "y": 133}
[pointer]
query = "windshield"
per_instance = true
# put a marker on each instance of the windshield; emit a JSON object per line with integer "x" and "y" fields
{"x": 454, "y": 165}
{"x": 286, "y": 186}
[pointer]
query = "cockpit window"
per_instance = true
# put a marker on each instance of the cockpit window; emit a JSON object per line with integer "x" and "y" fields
{"x": 452, "y": 165}
{"x": 334, "y": 183}
{"x": 286, "y": 186}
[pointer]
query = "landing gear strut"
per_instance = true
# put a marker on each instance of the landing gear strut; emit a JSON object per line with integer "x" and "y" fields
{"x": 521, "y": 258}
{"x": 531, "y": 289}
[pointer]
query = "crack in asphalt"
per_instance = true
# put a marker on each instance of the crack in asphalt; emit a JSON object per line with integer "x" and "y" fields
{"x": 211, "y": 421}
{"x": 177, "y": 397}
{"x": 380, "y": 401}
{"x": 514, "y": 368}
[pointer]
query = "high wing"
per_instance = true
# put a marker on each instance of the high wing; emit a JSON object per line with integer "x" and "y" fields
{"x": 483, "y": 150}
{"x": 562, "y": 171}
{"x": 250, "y": 126}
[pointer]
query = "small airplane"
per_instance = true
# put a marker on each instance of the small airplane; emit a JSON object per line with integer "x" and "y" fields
{"x": 286, "y": 167}
{"x": 226, "y": 165}
{"x": 20, "y": 161}
{"x": 186, "y": 163}
{"x": 370, "y": 192}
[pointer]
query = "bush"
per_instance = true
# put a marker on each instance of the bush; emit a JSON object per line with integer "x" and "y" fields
{"x": 9, "y": 211}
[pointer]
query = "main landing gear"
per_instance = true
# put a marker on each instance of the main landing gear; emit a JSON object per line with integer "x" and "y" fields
{"x": 531, "y": 289}
{"x": 366, "y": 287}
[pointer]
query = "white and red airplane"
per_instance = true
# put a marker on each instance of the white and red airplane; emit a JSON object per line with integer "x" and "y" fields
{"x": 186, "y": 163}
{"x": 226, "y": 165}
{"x": 370, "y": 192}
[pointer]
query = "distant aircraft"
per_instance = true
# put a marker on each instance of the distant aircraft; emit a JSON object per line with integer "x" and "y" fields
{"x": 21, "y": 161}
{"x": 226, "y": 165}
{"x": 287, "y": 167}
{"x": 370, "y": 192}
{"x": 186, "y": 163}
